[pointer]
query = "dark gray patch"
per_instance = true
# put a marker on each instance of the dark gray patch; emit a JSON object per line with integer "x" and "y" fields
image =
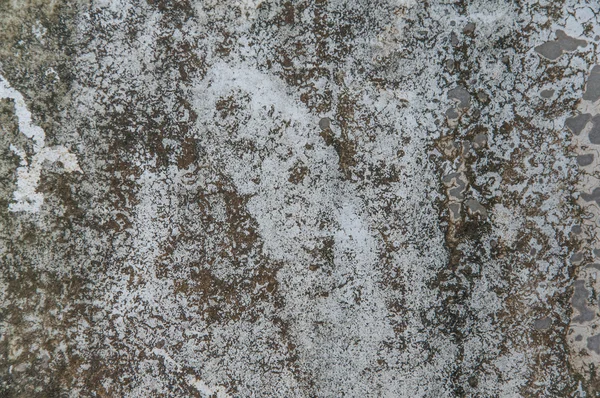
{"x": 568, "y": 43}
{"x": 593, "y": 343}
{"x": 542, "y": 323}
{"x": 324, "y": 123}
{"x": 594, "y": 196}
{"x": 594, "y": 266}
{"x": 476, "y": 207}
{"x": 577, "y": 124}
{"x": 462, "y": 95}
{"x": 473, "y": 382}
{"x": 554, "y": 49}
{"x": 547, "y": 93}
{"x": 585, "y": 160}
{"x": 578, "y": 337}
{"x": 482, "y": 96}
{"x": 592, "y": 87}
{"x": 576, "y": 229}
{"x": 451, "y": 113}
{"x": 448, "y": 178}
{"x": 454, "y": 39}
{"x": 596, "y": 252}
{"x": 450, "y": 64}
{"x": 480, "y": 140}
{"x": 469, "y": 28}
{"x": 579, "y": 302}
{"x": 577, "y": 258}
{"x": 550, "y": 50}
{"x": 594, "y": 134}
{"x": 457, "y": 192}
{"x": 455, "y": 209}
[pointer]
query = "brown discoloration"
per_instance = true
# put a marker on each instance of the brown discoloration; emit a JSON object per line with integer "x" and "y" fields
{"x": 189, "y": 153}
{"x": 298, "y": 173}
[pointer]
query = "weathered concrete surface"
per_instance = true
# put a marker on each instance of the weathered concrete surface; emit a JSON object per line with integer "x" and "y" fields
{"x": 390, "y": 198}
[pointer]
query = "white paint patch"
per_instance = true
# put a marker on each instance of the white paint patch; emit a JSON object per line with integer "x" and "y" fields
{"x": 26, "y": 197}
{"x": 26, "y": 125}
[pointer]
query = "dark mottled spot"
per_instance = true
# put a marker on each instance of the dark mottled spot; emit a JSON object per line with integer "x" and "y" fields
{"x": 473, "y": 382}
{"x": 576, "y": 229}
{"x": 324, "y": 123}
{"x": 594, "y": 196}
{"x": 480, "y": 140}
{"x": 577, "y": 258}
{"x": 450, "y": 64}
{"x": 542, "y": 323}
{"x": 451, "y": 113}
{"x": 594, "y": 134}
{"x": 469, "y": 28}
{"x": 483, "y": 97}
{"x": 596, "y": 252}
{"x": 578, "y": 337}
{"x": 592, "y": 87}
{"x": 462, "y": 95}
{"x": 577, "y": 124}
{"x": 585, "y": 160}
{"x": 454, "y": 39}
{"x": 593, "y": 343}
{"x": 579, "y": 302}
{"x": 594, "y": 266}
{"x": 547, "y": 93}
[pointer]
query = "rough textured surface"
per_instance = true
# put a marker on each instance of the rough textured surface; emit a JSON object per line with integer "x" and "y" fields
{"x": 324, "y": 198}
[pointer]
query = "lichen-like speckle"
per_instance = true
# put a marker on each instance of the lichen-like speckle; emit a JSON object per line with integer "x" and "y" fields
{"x": 259, "y": 198}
